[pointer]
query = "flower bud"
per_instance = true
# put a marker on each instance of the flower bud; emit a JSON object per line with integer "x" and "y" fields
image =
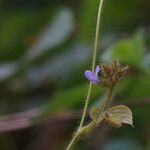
{"x": 112, "y": 73}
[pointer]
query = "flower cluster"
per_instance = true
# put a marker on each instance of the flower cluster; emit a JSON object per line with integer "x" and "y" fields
{"x": 107, "y": 74}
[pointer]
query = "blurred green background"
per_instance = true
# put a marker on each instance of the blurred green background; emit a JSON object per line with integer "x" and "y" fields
{"x": 45, "y": 47}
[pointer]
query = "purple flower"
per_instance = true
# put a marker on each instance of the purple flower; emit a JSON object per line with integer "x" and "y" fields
{"x": 93, "y": 76}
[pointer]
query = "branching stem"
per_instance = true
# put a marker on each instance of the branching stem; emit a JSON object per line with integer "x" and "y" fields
{"x": 93, "y": 67}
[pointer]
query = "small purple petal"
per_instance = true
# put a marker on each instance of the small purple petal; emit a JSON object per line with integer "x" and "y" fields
{"x": 93, "y": 76}
{"x": 97, "y": 69}
{"x": 89, "y": 75}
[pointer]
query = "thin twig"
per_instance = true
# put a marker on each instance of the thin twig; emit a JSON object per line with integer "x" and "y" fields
{"x": 93, "y": 67}
{"x": 94, "y": 61}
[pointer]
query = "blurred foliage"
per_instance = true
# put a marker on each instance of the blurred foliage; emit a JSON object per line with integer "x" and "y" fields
{"x": 45, "y": 46}
{"x": 122, "y": 144}
{"x": 71, "y": 98}
{"x": 129, "y": 50}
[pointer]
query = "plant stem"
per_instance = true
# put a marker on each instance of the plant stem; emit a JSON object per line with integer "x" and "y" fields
{"x": 93, "y": 61}
{"x": 72, "y": 141}
{"x": 93, "y": 67}
{"x": 97, "y": 33}
{"x": 108, "y": 99}
{"x": 88, "y": 128}
{"x": 86, "y": 105}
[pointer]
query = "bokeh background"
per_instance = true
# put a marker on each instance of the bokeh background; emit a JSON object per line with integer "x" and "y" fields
{"x": 45, "y": 47}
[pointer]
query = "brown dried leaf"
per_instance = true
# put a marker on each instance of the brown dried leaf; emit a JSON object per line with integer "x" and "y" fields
{"x": 97, "y": 115}
{"x": 119, "y": 114}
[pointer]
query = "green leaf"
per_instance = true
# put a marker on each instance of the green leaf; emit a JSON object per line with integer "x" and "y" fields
{"x": 128, "y": 51}
{"x": 131, "y": 50}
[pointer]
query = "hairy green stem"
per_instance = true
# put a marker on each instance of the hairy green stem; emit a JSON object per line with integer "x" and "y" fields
{"x": 72, "y": 141}
{"x": 93, "y": 67}
{"x": 86, "y": 129}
